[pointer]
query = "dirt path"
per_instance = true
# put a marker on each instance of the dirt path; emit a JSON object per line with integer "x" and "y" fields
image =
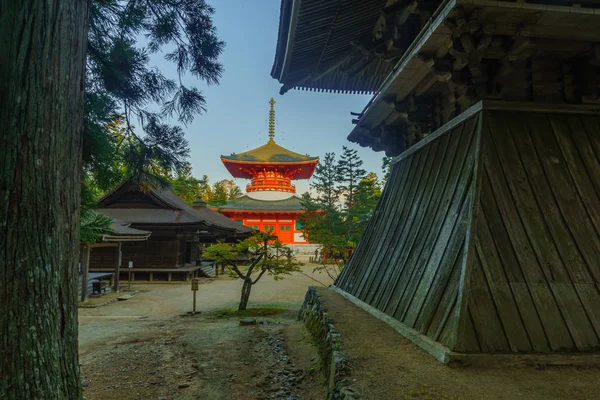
{"x": 386, "y": 366}
{"x": 144, "y": 348}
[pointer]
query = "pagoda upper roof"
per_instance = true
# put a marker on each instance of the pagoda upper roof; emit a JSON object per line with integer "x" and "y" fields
{"x": 270, "y": 152}
{"x": 247, "y": 203}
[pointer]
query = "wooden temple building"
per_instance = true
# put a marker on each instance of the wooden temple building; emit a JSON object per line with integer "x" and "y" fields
{"x": 486, "y": 241}
{"x": 270, "y": 204}
{"x": 178, "y": 231}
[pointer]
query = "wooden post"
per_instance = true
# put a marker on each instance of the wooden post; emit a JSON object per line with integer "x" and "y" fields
{"x": 194, "y": 308}
{"x": 85, "y": 266}
{"x": 151, "y": 277}
{"x": 195, "y": 283}
{"x": 118, "y": 267}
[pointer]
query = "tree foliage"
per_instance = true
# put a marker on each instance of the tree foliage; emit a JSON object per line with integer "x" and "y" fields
{"x": 266, "y": 255}
{"x": 134, "y": 113}
{"x": 324, "y": 182}
{"x": 336, "y": 214}
{"x": 223, "y": 191}
{"x": 189, "y": 188}
{"x": 350, "y": 174}
{"x": 130, "y": 104}
{"x": 386, "y": 169}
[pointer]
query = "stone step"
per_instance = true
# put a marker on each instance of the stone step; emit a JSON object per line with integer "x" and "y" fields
{"x": 208, "y": 271}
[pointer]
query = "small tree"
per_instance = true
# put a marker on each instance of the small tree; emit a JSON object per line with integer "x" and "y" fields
{"x": 266, "y": 257}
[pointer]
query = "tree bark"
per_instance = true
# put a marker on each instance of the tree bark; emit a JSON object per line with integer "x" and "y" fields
{"x": 245, "y": 294}
{"x": 42, "y": 64}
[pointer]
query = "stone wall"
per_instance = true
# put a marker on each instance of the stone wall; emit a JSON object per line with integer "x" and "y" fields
{"x": 329, "y": 344}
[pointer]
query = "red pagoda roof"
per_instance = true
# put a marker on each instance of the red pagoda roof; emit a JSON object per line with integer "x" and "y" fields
{"x": 270, "y": 157}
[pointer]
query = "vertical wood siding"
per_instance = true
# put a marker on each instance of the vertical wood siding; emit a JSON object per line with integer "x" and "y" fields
{"x": 534, "y": 281}
{"x": 529, "y": 280}
{"x": 409, "y": 262}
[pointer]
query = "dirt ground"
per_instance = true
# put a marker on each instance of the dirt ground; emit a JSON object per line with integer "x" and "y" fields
{"x": 148, "y": 348}
{"x": 386, "y": 366}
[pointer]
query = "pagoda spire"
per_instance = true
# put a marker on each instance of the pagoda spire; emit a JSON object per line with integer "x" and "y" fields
{"x": 272, "y": 120}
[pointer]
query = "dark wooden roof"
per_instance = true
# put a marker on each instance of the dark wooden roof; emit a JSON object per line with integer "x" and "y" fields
{"x": 320, "y": 46}
{"x": 163, "y": 207}
{"x": 533, "y": 51}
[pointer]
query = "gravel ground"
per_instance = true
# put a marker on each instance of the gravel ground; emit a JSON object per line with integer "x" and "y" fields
{"x": 148, "y": 348}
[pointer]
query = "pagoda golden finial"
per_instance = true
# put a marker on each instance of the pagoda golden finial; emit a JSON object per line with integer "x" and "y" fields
{"x": 272, "y": 120}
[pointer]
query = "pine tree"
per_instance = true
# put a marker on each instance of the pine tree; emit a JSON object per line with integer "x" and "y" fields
{"x": 122, "y": 85}
{"x": 324, "y": 182}
{"x": 350, "y": 174}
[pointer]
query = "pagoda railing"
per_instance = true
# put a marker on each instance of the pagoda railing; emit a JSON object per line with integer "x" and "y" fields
{"x": 282, "y": 185}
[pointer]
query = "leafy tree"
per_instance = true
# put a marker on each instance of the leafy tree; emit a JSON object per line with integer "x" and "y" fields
{"x": 266, "y": 257}
{"x": 222, "y": 191}
{"x": 336, "y": 217}
{"x": 368, "y": 193}
{"x": 386, "y": 168}
{"x": 41, "y": 119}
{"x": 325, "y": 226}
{"x": 189, "y": 188}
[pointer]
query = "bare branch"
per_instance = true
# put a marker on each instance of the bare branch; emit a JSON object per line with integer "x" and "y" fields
{"x": 259, "y": 275}
{"x": 236, "y": 269}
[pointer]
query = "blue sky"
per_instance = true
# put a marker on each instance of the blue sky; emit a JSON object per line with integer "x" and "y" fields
{"x": 238, "y": 108}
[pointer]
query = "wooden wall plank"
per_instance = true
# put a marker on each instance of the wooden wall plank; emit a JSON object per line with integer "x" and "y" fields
{"x": 500, "y": 184}
{"x": 413, "y": 195}
{"x": 419, "y": 208}
{"x": 432, "y": 320}
{"x": 451, "y": 226}
{"x": 357, "y": 263}
{"x": 454, "y": 190}
{"x": 572, "y": 188}
{"x": 362, "y": 257}
{"x": 484, "y": 311}
{"x": 533, "y": 279}
{"x": 486, "y": 257}
{"x": 407, "y": 219}
{"x": 470, "y": 335}
{"x": 452, "y": 242}
{"x": 435, "y": 214}
{"x": 498, "y": 239}
{"x": 583, "y": 166}
{"x": 396, "y": 220}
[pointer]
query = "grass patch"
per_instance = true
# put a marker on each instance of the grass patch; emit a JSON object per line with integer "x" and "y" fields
{"x": 250, "y": 312}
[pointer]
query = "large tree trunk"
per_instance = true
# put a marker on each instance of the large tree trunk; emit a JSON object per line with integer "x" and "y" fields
{"x": 42, "y": 62}
{"x": 245, "y": 294}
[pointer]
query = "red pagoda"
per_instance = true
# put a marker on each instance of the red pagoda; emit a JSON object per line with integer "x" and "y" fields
{"x": 271, "y": 203}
